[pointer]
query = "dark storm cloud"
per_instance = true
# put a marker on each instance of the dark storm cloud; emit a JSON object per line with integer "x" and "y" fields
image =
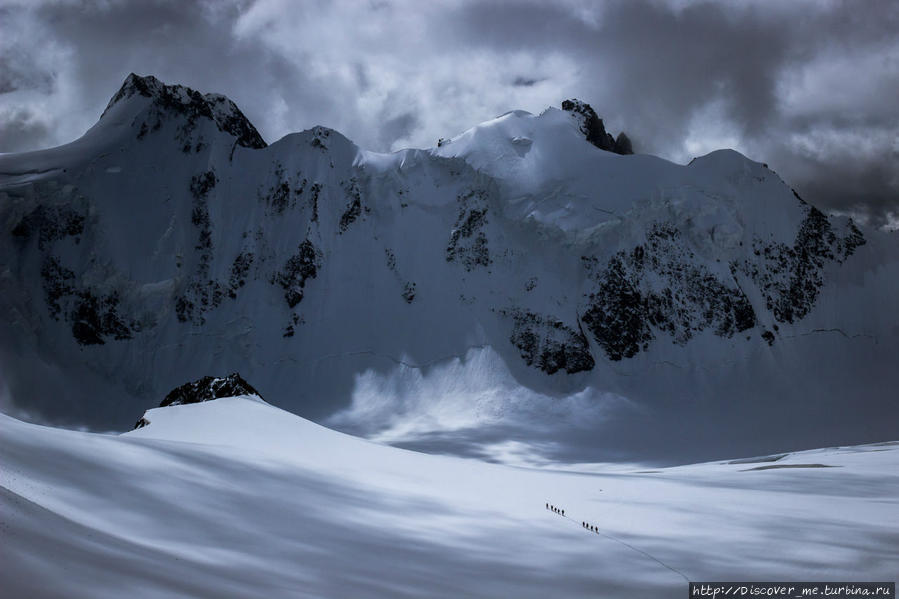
{"x": 807, "y": 86}
{"x": 397, "y": 127}
{"x": 23, "y": 130}
{"x": 660, "y": 71}
{"x": 524, "y": 81}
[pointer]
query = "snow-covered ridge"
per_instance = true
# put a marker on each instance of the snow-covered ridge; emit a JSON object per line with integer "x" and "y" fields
{"x": 517, "y": 277}
{"x": 237, "y": 498}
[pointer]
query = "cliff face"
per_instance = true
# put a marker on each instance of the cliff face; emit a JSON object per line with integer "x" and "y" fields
{"x": 592, "y": 127}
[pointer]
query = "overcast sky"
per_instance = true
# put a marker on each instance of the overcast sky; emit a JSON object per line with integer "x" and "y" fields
{"x": 808, "y": 86}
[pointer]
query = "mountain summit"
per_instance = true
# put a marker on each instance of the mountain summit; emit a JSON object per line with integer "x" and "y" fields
{"x": 190, "y": 106}
{"x": 527, "y": 281}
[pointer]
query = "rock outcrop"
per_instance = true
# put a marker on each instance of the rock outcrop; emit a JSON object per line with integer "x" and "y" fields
{"x": 204, "y": 389}
{"x": 592, "y": 127}
{"x": 209, "y": 388}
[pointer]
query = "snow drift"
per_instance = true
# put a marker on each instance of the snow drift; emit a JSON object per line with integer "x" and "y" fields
{"x": 236, "y": 498}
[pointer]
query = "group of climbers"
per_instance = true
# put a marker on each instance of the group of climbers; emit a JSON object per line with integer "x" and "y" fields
{"x": 555, "y": 509}
{"x": 561, "y": 512}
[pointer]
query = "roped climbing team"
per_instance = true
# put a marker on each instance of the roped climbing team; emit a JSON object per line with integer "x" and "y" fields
{"x": 561, "y": 512}
{"x": 555, "y": 509}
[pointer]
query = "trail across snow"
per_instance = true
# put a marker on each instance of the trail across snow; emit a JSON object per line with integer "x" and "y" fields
{"x": 236, "y": 498}
{"x": 593, "y": 529}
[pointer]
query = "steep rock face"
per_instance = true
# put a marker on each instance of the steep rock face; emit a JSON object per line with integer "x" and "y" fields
{"x": 468, "y": 239}
{"x": 658, "y": 288}
{"x": 549, "y": 344}
{"x": 297, "y": 270}
{"x": 592, "y": 127}
{"x": 791, "y": 276}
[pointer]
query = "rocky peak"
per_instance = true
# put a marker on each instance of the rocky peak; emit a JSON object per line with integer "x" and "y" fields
{"x": 205, "y": 389}
{"x": 594, "y": 130}
{"x": 180, "y": 100}
{"x": 148, "y": 87}
{"x": 209, "y": 388}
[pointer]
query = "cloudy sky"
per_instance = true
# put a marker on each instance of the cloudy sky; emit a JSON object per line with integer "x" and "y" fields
{"x": 808, "y": 86}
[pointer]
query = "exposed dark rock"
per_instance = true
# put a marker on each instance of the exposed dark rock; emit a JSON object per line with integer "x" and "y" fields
{"x": 350, "y": 214}
{"x": 285, "y": 192}
{"x": 207, "y": 389}
{"x": 299, "y": 268}
{"x": 409, "y": 292}
{"x": 468, "y": 240}
{"x": 791, "y": 277}
{"x": 354, "y": 208}
{"x": 93, "y": 315}
{"x": 278, "y": 195}
{"x": 200, "y": 296}
{"x": 314, "y": 192}
{"x": 239, "y": 269}
{"x": 592, "y": 127}
{"x": 391, "y": 259}
{"x": 58, "y": 282}
{"x": 548, "y": 344}
{"x": 184, "y": 308}
{"x": 295, "y": 321}
{"x": 627, "y": 308}
{"x": 617, "y": 313}
{"x": 852, "y": 240}
{"x": 49, "y": 224}
{"x": 201, "y": 292}
{"x": 202, "y": 184}
{"x": 320, "y": 137}
{"x": 232, "y": 120}
{"x": 623, "y": 144}
{"x": 96, "y": 317}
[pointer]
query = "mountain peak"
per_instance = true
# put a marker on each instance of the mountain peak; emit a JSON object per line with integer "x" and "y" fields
{"x": 147, "y": 86}
{"x": 180, "y": 100}
{"x": 205, "y": 389}
{"x": 208, "y": 388}
{"x": 592, "y": 127}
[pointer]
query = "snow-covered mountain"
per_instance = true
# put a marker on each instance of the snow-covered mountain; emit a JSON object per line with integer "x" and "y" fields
{"x": 516, "y": 288}
{"x": 236, "y": 498}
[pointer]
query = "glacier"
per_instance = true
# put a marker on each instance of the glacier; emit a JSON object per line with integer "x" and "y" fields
{"x": 237, "y": 498}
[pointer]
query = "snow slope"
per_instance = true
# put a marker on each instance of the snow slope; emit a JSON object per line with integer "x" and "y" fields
{"x": 514, "y": 287}
{"x": 236, "y": 498}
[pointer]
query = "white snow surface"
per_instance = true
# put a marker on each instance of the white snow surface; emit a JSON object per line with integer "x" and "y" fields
{"x": 237, "y": 498}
